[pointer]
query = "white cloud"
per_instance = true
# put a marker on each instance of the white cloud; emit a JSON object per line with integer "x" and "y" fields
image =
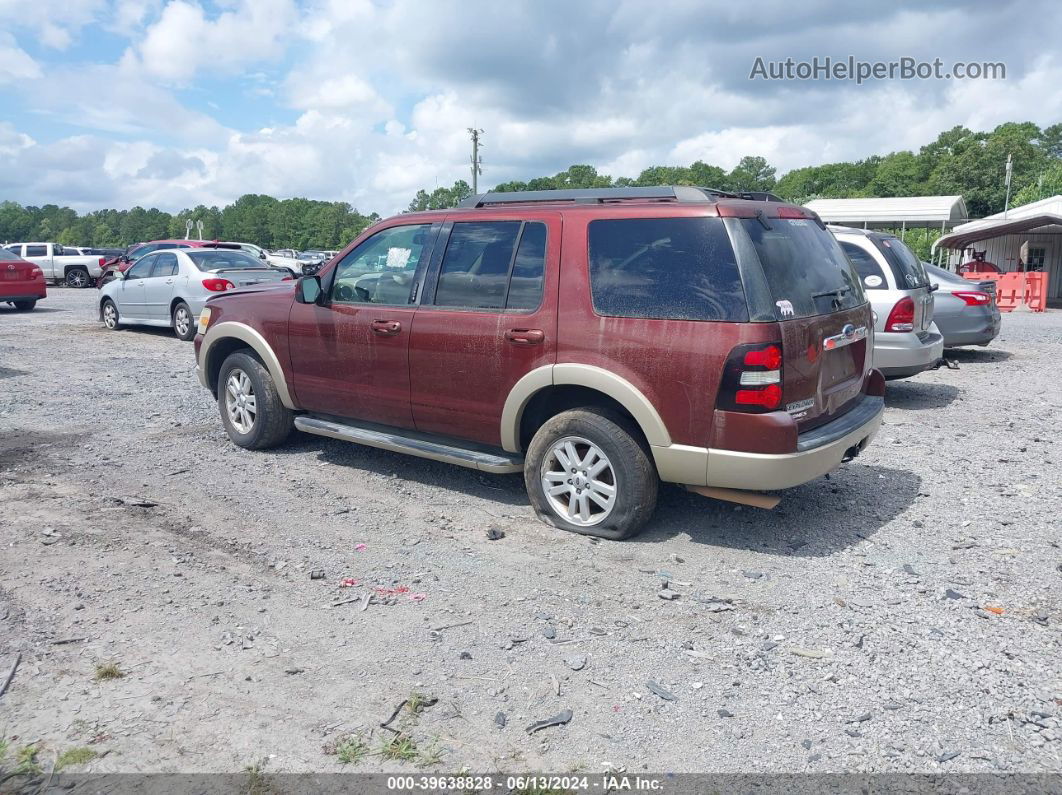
{"x": 15, "y": 63}
{"x": 184, "y": 40}
{"x": 53, "y": 22}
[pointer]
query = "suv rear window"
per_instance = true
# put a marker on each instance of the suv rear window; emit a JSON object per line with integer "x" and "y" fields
{"x": 905, "y": 265}
{"x": 665, "y": 268}
{"x": 805, "y": 268}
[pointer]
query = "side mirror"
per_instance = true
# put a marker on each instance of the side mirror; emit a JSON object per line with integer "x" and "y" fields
{"x": 308, "y": 290}
{"x": 934, "y": 287}
{"x": 261, "y": 255}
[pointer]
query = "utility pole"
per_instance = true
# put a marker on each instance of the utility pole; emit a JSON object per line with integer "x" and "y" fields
{"x": 477, "y": 161}
{"x": 1010, "y": 171}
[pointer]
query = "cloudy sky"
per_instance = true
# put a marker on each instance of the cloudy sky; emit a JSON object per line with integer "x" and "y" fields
{"x": 173, "y": 103}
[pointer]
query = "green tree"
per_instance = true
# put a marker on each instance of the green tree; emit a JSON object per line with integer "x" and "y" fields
{"x": 900, "y": 174}
{"x": 1046, "y": 184}
{"x": 752, "y": 173}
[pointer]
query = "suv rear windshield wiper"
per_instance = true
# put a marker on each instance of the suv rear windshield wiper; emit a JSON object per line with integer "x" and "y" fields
{"x": 840, "y": 291}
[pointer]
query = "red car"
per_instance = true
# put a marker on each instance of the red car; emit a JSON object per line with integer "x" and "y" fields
{"x": 21, "y": 282}
{"x": 599, "y": 341}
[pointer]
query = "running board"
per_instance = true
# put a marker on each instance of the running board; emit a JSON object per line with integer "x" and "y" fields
{"x": 412, "y": 443}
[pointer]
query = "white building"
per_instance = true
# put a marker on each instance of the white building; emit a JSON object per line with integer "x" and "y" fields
{"x": 1001, "y": 238}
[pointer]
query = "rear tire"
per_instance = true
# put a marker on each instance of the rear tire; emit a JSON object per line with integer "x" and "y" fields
{"x": 77, "y": 277}
{"x": 602, "y": 477}
{"x": 184, "y": 325}
{"x": 24, "y": 306}
{"x": 251, "y": 410}
{"x": 109, "y": 313}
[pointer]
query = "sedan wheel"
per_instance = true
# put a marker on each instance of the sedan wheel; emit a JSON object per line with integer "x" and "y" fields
{"x": 110, "y": 315}
{"x": 183, "y": 326}
{"x": 579, "y": 481}
{"x": 240, "y": 401}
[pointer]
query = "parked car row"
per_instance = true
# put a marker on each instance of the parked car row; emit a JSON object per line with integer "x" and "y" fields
{"x": 58, "y": 264}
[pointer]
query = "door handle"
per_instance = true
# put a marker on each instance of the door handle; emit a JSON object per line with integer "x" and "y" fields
{"x": 169, "y": 281}
{"x": 386, "y": 328}
{"x": 525, "y": 336}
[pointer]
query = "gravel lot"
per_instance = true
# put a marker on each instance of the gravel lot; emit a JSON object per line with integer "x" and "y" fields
{"x": 902, "y": 615}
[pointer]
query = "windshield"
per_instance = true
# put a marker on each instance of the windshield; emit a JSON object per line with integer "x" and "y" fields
{"x": 223, "y": 259}
{"x": 906, "y": 267}
{"x": 9, "y": 255}
{"x": 806, "y": 270}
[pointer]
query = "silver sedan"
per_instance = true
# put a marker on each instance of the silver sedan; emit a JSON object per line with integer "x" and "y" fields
{"x": 965, "y": 312}
{"x": 168, "y": 288}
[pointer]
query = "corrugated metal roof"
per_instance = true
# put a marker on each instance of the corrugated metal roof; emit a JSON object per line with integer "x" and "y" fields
{"x": 1046, "y": 212}
{"x": 893, "y": 211}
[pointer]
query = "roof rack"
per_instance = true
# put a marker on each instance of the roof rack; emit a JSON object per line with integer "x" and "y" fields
{"x": 674, "y": 193}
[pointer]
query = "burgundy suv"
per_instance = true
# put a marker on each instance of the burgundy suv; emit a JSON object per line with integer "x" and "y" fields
{"x": 600, "y": 341}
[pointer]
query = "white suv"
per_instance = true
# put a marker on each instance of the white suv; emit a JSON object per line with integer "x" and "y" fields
{"x": 906, "y": 340}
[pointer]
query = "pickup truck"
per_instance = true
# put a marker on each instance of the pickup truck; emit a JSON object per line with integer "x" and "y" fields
{"x": 75, "y": 270}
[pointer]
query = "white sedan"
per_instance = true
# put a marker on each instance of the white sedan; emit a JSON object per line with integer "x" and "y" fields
{"x": 168, "y": 288}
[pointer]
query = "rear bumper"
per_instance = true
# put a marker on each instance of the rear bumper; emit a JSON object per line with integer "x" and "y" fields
{"x": 970, "y": 329}
{"x": 907, "y": 354}
{"x": 23, "y": 292}
{"x": 818, "y": 451}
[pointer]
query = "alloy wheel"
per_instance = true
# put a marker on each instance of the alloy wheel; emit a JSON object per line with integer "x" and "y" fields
{"x": 240, "y": 401}
{"x": 110, "y": 315}
{"x": 579, "y": 481}
{"x": 181, "y": 321}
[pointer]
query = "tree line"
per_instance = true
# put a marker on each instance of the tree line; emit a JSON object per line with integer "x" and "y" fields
{"x": 959, "y": 162}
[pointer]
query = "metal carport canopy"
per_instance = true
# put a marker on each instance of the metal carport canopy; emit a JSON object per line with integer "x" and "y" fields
{"x": 892, "y": 212}
{"x": 985, "y": 230}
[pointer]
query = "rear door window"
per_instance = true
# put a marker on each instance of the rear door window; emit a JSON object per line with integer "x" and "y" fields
{"x": 907, "y": 268}
{"x": 665, "y": 268}
{"x": 475, "y": 267}
{"x": 493, "y": 265}
{"x": 36, "y": 251}
{"x": 866, "y": 266}
{"x": 165, "y": 265}
{"x": 806, "y": 270}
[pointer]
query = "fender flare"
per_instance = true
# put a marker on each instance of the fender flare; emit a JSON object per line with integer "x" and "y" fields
{"x": 229, "y": 329}
{"x": 571, "y": 374}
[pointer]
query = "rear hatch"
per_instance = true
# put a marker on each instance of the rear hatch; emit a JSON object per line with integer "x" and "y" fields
{"x": 822, "y": 312}
{"x": 911, "y": 277}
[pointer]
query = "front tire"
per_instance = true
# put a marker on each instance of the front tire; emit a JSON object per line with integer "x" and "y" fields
{"x": 109, "y": 313}
{"x": 24, "y": 306}
{"x": 77, "y": 277}
{"x": 587, "y": 472}
{"x": 182, "y": 322}
{"x": 251, "y": 410}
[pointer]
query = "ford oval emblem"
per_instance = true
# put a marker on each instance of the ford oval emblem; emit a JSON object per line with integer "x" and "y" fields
{"x": 848, "y": 330}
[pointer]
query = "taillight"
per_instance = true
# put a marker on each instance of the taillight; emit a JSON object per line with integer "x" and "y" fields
{"x": 901, "y": 318}
{"x": 218, "y": 285}
{"x": 102, "y": 260}
{"x": 973, "y": 297}
{"x": 752, "y": 378}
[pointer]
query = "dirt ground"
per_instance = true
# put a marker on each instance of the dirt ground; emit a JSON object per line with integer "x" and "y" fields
{"x": 901, "y": 615}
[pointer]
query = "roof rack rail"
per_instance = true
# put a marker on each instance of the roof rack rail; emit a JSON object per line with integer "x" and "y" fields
{"x": 676, "y": 193}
